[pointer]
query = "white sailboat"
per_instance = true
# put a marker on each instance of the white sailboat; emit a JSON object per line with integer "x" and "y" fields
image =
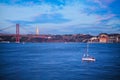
{"x": 87, "y": 57}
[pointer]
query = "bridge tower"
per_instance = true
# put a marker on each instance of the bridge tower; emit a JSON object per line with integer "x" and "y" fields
{"x": 17, "y": 33}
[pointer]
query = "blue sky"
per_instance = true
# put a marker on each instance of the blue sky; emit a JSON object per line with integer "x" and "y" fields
{"x": 60, "y": 16}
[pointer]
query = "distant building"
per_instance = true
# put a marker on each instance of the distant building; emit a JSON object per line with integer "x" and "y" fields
{"x": 93, "y": 39}
{"x": 114, "y": 38}
{"x": 118, "y": 39}
{"x": 103, "y": 38}
{"x": 49, "y": 37}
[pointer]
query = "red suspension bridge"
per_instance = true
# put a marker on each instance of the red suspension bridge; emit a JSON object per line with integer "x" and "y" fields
{"x": 17, "y": 32}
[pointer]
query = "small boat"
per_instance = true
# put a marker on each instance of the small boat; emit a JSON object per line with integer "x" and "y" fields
{"x": 87, "y": 57}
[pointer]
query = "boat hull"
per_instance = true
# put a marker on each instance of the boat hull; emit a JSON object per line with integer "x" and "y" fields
{"x": 88, "y": 59}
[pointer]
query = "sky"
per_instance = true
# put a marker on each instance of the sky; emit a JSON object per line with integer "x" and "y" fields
{"x": 60, "y": 16}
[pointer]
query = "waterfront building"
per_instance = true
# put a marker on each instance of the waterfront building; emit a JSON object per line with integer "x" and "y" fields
{"x": 93, "y": 40}
{"x": 103, "y": 38}
{"x": 114, "y": 38}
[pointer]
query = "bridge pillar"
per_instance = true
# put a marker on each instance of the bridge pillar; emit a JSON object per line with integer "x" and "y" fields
{"x": 17, "y": 34}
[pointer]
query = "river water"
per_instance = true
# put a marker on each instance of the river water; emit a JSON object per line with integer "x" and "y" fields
{"x": 58, "y": 61}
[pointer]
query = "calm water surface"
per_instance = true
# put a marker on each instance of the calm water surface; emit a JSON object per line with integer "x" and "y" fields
{"x": 58, "y": 61}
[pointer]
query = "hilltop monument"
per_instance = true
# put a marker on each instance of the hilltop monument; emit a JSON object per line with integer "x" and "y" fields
{"x": 37, "y": 30}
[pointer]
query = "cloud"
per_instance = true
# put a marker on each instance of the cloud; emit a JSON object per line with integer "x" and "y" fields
{"x": 41, "y": 12}
{"x": 63, "y": 16}
{"x": 50, "y": 18}
{"x": 42, "y": 18}
{"x": 102, "y": 3}
{"x": 114, "y": 24}
{"x": 105, "y": 17}
{"x": 108, "y": 1}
